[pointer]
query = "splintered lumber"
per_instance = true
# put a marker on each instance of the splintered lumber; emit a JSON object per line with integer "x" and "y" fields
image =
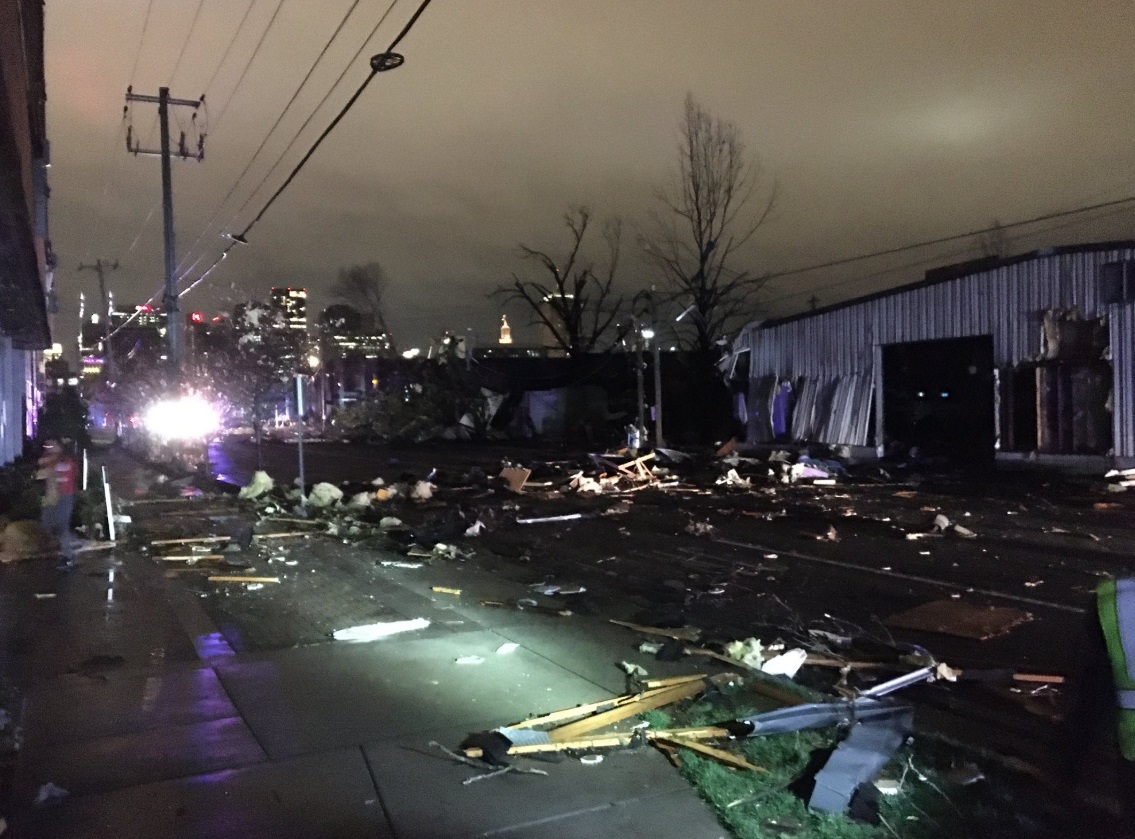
{"x": 764, "y": 685}
{"x": 199, "y": 539}
{"x": 685, "y": 633}
{"x": 603, "y": 704}
{"x": 720, "y": 755}
{"x": 188, "y": 557}
{"x": 244, "y": 579}
{"x": 610, "y": 741}
{"x": 646, "y": 701}
{"x": 97, "y": 546}
{"x": 650, "y": 684}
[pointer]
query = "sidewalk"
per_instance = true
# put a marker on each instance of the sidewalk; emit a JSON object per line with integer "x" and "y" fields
{"x": 137, "y": 704}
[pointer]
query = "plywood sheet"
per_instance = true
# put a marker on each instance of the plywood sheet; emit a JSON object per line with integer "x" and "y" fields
{"x": 961, "y": 619}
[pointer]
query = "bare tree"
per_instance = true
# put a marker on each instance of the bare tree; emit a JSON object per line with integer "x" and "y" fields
{"x": 364, "y": 288}
{"x": 577, "y": 303}
{"x": 710, "y": 211}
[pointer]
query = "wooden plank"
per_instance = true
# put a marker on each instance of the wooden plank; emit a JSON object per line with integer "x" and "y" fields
{"x": 650, "y": 684}
{"x": 720, "y": 755}
{"x": 188, "y": 557}
{"x": 686, "y": 633}
{"x": 206, "y": 539}
{"x": 601, "y": 705}
{"x": 609, "y": 741}
{"x": 244, "y": 579}
{"x": 456, "y": 592}
{"x": 647, "y": 701}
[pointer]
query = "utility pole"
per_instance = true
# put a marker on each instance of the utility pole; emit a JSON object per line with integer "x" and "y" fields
{"x": 640, "y": 389}
{"x": 658, "y": 440}
{"x": 100, "y": 268}
{"x": 169, "y": 301}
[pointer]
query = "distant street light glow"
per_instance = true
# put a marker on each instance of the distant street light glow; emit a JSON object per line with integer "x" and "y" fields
{"x": 313, "y": 361}
{"x": 648, "y": 333}
{"x": 184, "y": 418}
{"x": 414, "y": 353}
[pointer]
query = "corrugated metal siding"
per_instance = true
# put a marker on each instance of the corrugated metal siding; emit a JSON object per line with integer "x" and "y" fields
{"x": 12, "y": 388}
{"x": 1122, "y": 328}
{"x": 1006, "y": 302}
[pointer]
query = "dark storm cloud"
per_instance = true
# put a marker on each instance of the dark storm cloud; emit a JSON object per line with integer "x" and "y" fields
{"x": 884, "y": 123}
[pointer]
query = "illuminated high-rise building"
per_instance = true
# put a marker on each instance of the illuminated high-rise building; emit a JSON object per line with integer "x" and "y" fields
{"x": 293, "y": 303}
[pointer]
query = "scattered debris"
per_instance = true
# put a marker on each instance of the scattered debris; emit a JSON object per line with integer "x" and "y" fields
{"x": 591, "y": 760}
{"x": 374, "y": 631}
{"x": 423, "y": 491}
{"x": 361, "y": 500}
{"x": 507, "y": 647}
{"x": 785, "y": 664}
{"x": 731, "y": 478}
{"x": 324, "y": 495}
{"x": 700, "y": 528}
{"x": 260, "y": 484}
{"x": 49, "y": 794}
{"x": 45, "y": 595}
{"x": 749, "y": 652}
{"x": 398, "y": 563}
{"x": 456, "y": 592}
{"x": 389, "y": 523}
{"x": 469, "y": 659}
{"x": 633, "y": 670}
{"x": 516, "y": 477}
{"x": 831, "y": 535}
{"x": 475, "y": 529}
{"x": 223, "y": 579}
{"x": 550, "y": 519}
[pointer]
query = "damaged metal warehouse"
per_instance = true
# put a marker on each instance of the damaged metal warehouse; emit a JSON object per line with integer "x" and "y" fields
{"x": 999, "y": 360}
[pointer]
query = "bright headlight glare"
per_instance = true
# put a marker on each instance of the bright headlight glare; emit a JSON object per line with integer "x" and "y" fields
{"x": 185, "y": 418}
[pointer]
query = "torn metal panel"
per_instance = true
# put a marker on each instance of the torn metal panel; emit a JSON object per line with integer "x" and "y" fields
{"x": 859, "y": 758}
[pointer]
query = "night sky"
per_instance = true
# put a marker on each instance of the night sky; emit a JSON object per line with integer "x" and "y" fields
{"x": 884, "y": 123}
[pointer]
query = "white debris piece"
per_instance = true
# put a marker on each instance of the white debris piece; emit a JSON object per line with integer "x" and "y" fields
{"x": 632, "y": 669}
{"x": 785, "y": 664}
{"x": 374, "y": 631}
{"x": 941, "y": 522}
{"x": 324, "y": 495}
{"x": 731, "y": 478}
{"x": 378, "y": 482}
{"x": 475, "y": 528}
{"x": 261, "y": 483}
{"x": 507, "y": 647}
{"x": 389, "y": 522}
{"x": 361, "y": 500}
{"x": 470, "y": 659}
{"x": 423, "y": 491}
{"x": 397, "y": 563}
{"x": 750, "y": 652}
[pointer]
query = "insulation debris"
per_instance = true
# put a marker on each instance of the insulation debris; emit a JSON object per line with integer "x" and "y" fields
{"x": 324, "y": 495}
{"x": 260, "y": 484}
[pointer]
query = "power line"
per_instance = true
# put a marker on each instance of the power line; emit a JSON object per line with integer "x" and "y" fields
{"x": 275, "y": 125}
{"x": 251, "y": 58}
{"x": 228, "y": 49}
{"x": 185, "y": 43}
{"x": 141, "y": 40}
{"x": 939, "y": 257}
{"x": 387, "y": 60}
{"x": 951, "y": 238}
{"x": 382, "y": 62}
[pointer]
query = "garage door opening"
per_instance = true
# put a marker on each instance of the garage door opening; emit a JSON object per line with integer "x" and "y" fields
{"x": 938, "y": 397}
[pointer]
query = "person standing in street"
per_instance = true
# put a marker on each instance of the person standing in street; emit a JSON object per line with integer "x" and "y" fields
{"x": 57, "y": 470}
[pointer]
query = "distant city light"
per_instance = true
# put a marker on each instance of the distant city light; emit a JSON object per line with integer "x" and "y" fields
{"x": 313, "y": 361}
{"x": 185, "y": 418}
{"x": 95, "y": 318}
{"x": 648, "y": 333}
{"x": 414, "y": 353}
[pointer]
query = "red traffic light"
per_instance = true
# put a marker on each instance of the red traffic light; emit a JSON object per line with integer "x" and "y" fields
{"x": 197, "y": 317}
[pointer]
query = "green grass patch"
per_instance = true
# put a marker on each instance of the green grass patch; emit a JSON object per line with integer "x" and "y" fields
{"x": 760, "y": 805}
